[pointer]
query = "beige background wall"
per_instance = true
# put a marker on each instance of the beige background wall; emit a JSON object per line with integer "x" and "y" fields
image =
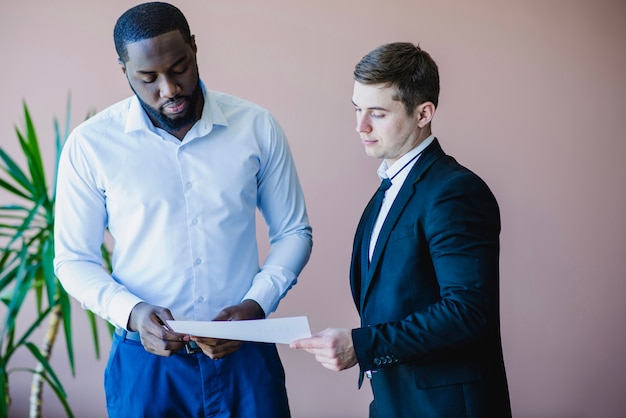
{"x": 533, "y": 100}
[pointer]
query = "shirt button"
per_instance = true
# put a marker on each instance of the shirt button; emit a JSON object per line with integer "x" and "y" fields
{"x": 200, "y": 299}
{"x": 194, "y": 222}
{"x": 198, "y": 261}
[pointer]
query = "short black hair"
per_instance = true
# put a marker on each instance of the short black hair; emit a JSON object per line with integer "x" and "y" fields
{"x": 146, "y": 21}
{"x": 405, "y": 67}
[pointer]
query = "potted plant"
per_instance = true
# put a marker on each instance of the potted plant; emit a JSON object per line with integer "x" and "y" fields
{"x": 26, "y": 267}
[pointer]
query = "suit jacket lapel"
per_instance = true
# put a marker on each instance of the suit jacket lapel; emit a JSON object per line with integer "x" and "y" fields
{"x": 356, "y": 266}
{"x": 432, "y": 153}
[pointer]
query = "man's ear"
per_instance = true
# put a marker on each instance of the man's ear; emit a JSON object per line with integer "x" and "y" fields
{"x": 122, "y": 65}
{"x": 426, "y": 111}
{"x": 194, "y": 47}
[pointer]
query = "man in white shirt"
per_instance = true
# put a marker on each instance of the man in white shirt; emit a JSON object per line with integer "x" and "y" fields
{"x": 176, "y": 173}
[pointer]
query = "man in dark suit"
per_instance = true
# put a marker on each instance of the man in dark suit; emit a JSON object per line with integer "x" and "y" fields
{"x": 425, "y": 265}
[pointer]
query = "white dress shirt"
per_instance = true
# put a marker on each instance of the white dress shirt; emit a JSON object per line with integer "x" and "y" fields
{"x": 398, "y": 172}
{"x": 182, "y": 213}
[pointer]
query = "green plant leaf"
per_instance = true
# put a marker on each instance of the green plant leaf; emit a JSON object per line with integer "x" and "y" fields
{"x": 66, "y": 317}
{"x": 26, "y": 259}
{"x": 30, "y": 145}
{"x": 47, "y": 268}
{"x": 10, "y": 167}
{"x": 58, "y": 390}
{"x": 4, "y": 390}
{"x": 45, "y": 364}
{"x": 27, "y": 221}
{"x": 24, "y": 338}
{"x": 23, "y": 278}
{"x": 93, "y": 325}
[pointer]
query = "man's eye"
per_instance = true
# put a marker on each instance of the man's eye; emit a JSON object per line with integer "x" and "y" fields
{"x": 179, "y": 70}
{"x": 148, "y": 80}
{"x": 377, "y": 115}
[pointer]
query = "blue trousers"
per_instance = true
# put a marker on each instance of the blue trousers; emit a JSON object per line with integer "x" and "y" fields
{"x": 249, "y": 383}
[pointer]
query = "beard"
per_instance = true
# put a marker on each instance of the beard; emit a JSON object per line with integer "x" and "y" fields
{"x": 174, "y": 124}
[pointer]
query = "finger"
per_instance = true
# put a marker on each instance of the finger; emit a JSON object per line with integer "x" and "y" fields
{"x": 307, "y": 343}
{"x": 226, "y": 346}
{"x": 331, "y": 363}
{"x": 164, "y": 334}
{"x": 224, "y": 315}
{"x": 332, "y": 367}
{"x": 212, "y": 342}
{"x": 162, "y": 318}
{"x": 221, "y": 350}
{"x": 161, "y": 347}
{"x": 203, "y": 340}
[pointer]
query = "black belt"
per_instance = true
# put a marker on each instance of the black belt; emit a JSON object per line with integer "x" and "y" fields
{"x": 190, "y": 348}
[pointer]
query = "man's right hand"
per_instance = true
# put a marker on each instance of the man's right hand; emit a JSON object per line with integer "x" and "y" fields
{"x": 333, "y": 348}
{"x": 156, "y": 337}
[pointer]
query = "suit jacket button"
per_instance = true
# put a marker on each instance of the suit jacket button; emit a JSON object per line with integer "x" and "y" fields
{"x": 377, "y": 361}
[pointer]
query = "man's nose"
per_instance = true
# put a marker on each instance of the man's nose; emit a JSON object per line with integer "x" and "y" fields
{"x": 363, "y": 125}
{"x": 169, "y": 88}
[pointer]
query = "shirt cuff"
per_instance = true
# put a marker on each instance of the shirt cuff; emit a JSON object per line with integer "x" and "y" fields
{"x": 123, "y": 304}
{"x": 269, "y": 286}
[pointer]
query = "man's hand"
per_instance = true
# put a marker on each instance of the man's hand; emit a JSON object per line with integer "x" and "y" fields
{"x": 156, "y": 337}
{"x": 218, "y": 348}
{"x": 333, "y": 348}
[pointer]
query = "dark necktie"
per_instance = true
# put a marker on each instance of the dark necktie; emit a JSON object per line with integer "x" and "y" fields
{"x": 369, "y": 224}
{"x": 367, "y": 232}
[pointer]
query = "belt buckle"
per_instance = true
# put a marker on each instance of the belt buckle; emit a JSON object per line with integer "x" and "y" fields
{"x": 192, "y": 348}
{"x": 369, "y": 373}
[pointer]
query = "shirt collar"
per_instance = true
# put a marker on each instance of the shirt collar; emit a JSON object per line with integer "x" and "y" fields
{"x": 211, "y": 115}
{"x": 384, "y": 171}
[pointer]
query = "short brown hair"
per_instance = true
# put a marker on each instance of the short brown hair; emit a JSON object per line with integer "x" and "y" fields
{"x": 405, "y": 67}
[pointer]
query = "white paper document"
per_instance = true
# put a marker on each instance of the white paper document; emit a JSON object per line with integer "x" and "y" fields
{"x": 273, "y": 330}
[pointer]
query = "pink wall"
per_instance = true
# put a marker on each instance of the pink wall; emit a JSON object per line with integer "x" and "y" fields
{"x": 533, "y": 99}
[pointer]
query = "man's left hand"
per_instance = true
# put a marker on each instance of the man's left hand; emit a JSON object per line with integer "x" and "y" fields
{"x": 218, "y": 348}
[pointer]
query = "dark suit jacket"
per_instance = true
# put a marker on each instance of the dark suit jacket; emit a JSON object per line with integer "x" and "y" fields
{"x": 430, "y": 327}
